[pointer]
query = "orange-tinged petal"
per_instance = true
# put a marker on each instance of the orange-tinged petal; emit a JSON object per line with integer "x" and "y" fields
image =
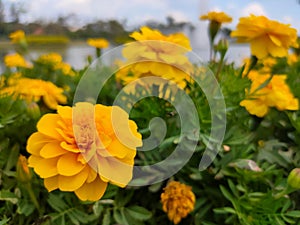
{"x": 92, "y": 175}
{"x": 51, "y": 183}
{"x": 72, "y": 183}
{"x": 36, "y": 141}
{"x": 91, "y": 191}
{"x": 68, "y": 165}
{"x": 47, "y": 126}
{"x": 46, "y": 167}
{"x": 70, "y": 147}
{"x": 115, "y": 171}
{"x": 33, "y": 160}
{"x": 65, "y": 112}
{"x": 116, "y": 149}
{"x": 51, "y": 150}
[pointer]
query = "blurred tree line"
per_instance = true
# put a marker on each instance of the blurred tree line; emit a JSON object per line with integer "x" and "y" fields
{"x": 115, "y": 31}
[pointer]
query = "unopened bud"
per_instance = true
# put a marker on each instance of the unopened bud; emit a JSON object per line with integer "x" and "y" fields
{"x": 23, "y": 171}
{"x": 33, "y": 110}
{"x": 222, "y": 47}
{"x": 294, "y": 178}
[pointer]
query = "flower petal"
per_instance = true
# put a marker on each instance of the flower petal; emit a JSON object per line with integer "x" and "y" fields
{"x": 46, "y": 167}
{"x": 91, "y": 191}
{"x": 68, "y": 165}
{"x": 47, "y": 125}
{"x": 115, "y": 171}
{"x": 92, "y": 175}
{"x": 72, "y": 183}
{"x": 51, "y": 183}
{"x": 258, "y": 47}
{"x": 51, "y": 150}
{"x": 36, "y": 142}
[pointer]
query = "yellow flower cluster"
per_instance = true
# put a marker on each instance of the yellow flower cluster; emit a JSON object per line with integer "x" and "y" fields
{"x": 275, "y": 94}
{"x": 155, "y": 54}
{"x": 17, "y": 36}
{"x": 266, "y": 37}
{"x": 55, "y": 60}
{"x": 35, "y": 90}
{"x": 98, "y": 42}
{"x": 219, "y": 17}
{"x": 16, "y": 60}
{"x": 177, "y": 200}
{"x": 79, "y": 149}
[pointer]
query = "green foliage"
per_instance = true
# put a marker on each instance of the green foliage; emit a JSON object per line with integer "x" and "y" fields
{"x": 245, "y": 184}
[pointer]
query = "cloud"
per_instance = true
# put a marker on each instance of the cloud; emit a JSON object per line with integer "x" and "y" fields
{"x": 178, "y": 16}
{"x": 253, "y": 8}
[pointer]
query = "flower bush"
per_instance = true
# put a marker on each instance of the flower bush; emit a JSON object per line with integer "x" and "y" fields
{"x": 66, "y": 159}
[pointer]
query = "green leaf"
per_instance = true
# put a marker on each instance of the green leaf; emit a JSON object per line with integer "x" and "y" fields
{"x": 295, "y": 213}
{"x": 79, "y": 217}
{"x": 25, "y": 207}
{"x": 6, "y": 195}
{"x": 98, "y": 208}
{"x": 106, "y": 218}
{"x": 224, "y": 210}
{"x": 4, "y": 221}
{"x": 139, "y": 212}
{"x": 13, "y": 157}
{"x": 119, "y": 217}
{"x": 226, "y": 193}
{"x": 57, "y": 203}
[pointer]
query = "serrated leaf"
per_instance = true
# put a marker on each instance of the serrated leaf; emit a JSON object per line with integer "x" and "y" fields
{"x": 25, "y": 207}
{"x": 57, "y": 203}
{"x": 78, "y": 216}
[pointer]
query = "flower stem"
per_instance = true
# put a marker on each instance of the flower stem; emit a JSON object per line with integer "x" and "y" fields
{"x": 32, "y": 197}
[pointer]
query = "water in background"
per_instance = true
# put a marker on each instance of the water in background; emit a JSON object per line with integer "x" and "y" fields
{"x": 77, "y": 53}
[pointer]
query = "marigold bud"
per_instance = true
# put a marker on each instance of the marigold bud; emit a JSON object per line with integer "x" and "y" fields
{"x": 33, "y": 110}
{"x": 23, "y": 172}
{"x": 294, "y": 178}
{"x": 222, "y": 47}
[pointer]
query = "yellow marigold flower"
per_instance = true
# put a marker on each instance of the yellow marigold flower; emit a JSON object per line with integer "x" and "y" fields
{"x": 265, "y": 36}
{"x": 16, "y": 60}
{"x": 268, "y": 63}
{"x": 82, "y": 148}
{"x": 148, "y": 34}
{"x": 35, "y": 90}
{"x": 292, "y": 58}
{"x": 65, "y": 68}
{"x": 275, "y": 94}
{"x": 177, "y": 200}
{"x": 17, "y": 36}
{"x": 219, "y": 17}
{"x": 50, "y": 58}
{"x": 98, "y": 42}
{"x": 156, "y": 55}
{"x": 55, "y": 60}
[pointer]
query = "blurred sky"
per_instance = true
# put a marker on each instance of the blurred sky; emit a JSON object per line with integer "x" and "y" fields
{"x": 138, "y": 11}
